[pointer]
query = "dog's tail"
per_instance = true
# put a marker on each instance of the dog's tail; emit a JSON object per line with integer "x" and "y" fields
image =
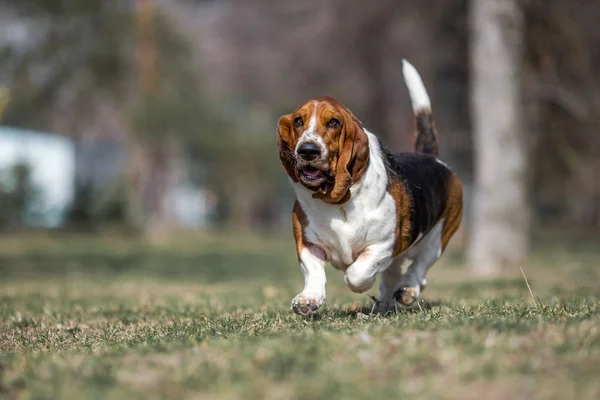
{"x": 426, "y": 134}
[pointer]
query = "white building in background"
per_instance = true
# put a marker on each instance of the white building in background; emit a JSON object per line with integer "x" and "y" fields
{"x": 192, "y": 206}
{"x": 56, "y": 164}
{"x": 51, "y": 159}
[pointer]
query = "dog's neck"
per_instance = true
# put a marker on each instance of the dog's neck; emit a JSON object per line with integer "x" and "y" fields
{"x": 368, "y": 190}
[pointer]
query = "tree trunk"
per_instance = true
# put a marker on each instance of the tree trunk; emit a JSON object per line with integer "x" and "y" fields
{"x": 500, "y": 229}
{"x": 152, "y": 156}
{"x": 4, "y": 98}
{"x": 159, "y": 223}
{"x": 373, "y": 46}
{"x": 151, "y": 176}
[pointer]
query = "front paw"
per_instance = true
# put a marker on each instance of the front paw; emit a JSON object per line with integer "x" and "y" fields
{"x": 307, "y": 304}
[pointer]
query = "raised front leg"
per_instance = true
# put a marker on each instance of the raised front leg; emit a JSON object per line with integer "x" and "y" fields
{"x": 312, "y": 297}
{"x": 361, "y": 275}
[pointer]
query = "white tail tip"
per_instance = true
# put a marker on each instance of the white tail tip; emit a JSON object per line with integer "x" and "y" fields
{"x": 416, "y": 88}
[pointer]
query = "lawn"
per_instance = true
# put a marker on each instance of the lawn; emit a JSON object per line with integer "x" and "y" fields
{"x": 208, "y": 317}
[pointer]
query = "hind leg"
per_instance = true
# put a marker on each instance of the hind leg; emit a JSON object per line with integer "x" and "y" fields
{"x": 388, "y": 283}
{"x": 424, "y": 255}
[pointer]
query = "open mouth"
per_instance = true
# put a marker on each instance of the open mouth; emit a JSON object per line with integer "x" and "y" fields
{"x": 312, "y": 174}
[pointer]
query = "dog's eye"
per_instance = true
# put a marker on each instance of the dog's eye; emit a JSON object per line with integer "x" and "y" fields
{"x": 333, "y": 123}
{"x": 298, "y": 123}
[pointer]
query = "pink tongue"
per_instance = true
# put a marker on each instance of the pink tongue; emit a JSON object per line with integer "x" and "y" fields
{"x": 311, "y": 172}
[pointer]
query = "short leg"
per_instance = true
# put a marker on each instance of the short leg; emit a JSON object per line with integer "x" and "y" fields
{"x": 424, "y": 255}
{"x": 312, "y": 297}
{"x": 389, "y": 281}
{"x": 361, "y": 275}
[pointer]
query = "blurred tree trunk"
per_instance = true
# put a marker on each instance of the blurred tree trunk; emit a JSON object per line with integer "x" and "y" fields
{"x": 372, "y": 47}
{"x": 159, "y": 180}
{"x": 371, "y": 58}
{"x": 151, "y": 156}
{"x": 500, "y": 229}
{"x": 151, "y": 173}
{"x": 137, "y": 176}
{"x": 4, "y": 98}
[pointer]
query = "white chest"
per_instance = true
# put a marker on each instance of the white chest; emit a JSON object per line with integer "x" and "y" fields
{"x": 345, "y": 231}
{"x": 368, "y": 218}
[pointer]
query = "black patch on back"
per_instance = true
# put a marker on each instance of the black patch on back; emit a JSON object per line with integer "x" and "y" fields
{"x": 427, "y": 183}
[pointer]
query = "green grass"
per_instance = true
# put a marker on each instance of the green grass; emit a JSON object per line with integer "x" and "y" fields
{"x": 100, "y": 317}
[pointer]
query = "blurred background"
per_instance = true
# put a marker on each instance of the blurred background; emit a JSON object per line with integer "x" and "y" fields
{"x": 157, "y": 117}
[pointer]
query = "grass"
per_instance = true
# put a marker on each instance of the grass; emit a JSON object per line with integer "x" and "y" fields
{"x": 112, "y": 318}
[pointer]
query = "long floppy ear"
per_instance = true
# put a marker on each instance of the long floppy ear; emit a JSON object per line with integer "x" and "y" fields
{"x": 352, "y": 160}
{"x": 285, "y": 140}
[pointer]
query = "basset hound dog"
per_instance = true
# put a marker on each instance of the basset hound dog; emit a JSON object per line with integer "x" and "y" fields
{"x": 362, "y": 208}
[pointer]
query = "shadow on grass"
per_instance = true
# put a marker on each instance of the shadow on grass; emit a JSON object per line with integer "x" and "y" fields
{"x": 364, "y": 311}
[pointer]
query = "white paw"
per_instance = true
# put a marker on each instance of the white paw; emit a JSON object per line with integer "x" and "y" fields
{"x": 307, "y": 303}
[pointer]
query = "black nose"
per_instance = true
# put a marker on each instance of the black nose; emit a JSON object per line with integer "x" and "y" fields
{"x": 309, "y": 151}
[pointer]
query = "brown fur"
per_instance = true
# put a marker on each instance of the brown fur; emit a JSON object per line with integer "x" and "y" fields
{"x": 287, "y": 142}
{"x": 403, "y": 224}
{"x": 347, "y": 145}
{"x": 454, "y": 210}
{"x": 299, "y": 222}
{"x": 426, "y": 133}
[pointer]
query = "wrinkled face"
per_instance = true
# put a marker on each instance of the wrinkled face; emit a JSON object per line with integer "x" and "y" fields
{"x": 322, "y": 146}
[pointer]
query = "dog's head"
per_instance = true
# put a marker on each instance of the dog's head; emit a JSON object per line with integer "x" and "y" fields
{"x": 323, "y": 146}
